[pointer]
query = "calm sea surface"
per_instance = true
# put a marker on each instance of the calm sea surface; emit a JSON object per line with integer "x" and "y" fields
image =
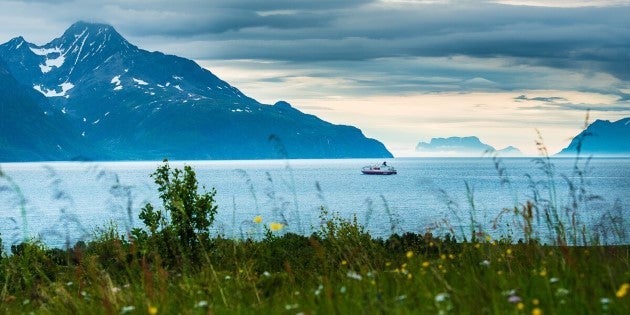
{"x": 63, "y": 202}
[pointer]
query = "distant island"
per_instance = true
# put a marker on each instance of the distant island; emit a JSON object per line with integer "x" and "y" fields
{"x": 462, "y": 147}
{"x": 92, "y": 95}
{"x": 601, "y": 138}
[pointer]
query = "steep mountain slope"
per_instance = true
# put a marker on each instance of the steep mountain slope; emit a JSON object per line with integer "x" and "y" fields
{"x": 136, "y": 104}
{"x": 602, "y": 137}
{"x": 27, "y": 132}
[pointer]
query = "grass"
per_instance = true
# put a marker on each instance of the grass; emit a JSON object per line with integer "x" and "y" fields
{"x": 339, "y": 269}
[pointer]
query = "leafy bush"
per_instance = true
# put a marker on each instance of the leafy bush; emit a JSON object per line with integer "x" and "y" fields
{"x": 183, "y": 225}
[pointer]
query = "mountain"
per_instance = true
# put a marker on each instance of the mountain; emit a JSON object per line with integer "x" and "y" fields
{"x": 27, "y": 131}
{"x": 602, "y": 137}
{"x": 129, "y": 103}
{"x": 461, "y": 146}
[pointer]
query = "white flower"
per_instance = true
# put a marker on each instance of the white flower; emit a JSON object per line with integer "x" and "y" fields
{"x": 319, "y": 290}
{"x": 353, "y": 275}
{"x": 127, "y": 309}
{"x": 485, "y": 263}
{"x": 266, "y": 274}
{"x": 441, "y": 297}
{"x": 342, "y": 290}
{"x": 289, "y": 307}
{"x": 202, "y": 303}
{"x": 554, "y": 280}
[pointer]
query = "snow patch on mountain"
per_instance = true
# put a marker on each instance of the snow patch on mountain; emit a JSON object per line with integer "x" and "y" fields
{"x": 140, "y": 82}
{"x": 64, "y": 87}
{"x": 50, "y": 63}
{"x": 116, "y": 81}
{"x": 42, "y": 51}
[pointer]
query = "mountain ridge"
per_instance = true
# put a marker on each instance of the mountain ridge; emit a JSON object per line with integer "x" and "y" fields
{"x": 136, "y": 104}
{"x": 462, "y": 146}
{"x": 601, "y": 137}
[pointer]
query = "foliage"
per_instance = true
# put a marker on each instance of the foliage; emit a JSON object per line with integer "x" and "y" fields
{"x": 187, "y": 215}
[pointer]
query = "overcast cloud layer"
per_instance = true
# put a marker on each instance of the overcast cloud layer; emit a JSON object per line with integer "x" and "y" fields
{"x": 307, "y": 50}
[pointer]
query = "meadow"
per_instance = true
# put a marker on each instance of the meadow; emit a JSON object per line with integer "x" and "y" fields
{"x": 173, "y": 265}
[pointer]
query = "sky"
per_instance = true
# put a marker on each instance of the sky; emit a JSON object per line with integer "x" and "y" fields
{"x": 403, "y": 71}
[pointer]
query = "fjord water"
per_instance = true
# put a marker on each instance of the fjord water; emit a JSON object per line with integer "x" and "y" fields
{"x": 63, "y": 202}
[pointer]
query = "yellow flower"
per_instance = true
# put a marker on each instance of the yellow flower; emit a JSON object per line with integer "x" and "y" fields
{"x": 152, "y": 310}
{"x": 409, "y": 254}
{"x": 344, "y": 262}
{"x": 257, "y": 219}
{"x": 276, "y": 226}
{"x": 509, "y": 251}
{"x": 535, "y": 302}
{"x": 520, "y": 306}
{"x": 426, "y": 264}
{"x": 623, "y": 290}
{"x": 543, "y": 272}
{"x": 537, "y": 311}
{"x": 387, "y": 264}
{"x": 443, "y": 257}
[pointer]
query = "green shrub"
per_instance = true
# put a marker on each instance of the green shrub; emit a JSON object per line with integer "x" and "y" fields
{"x": 187, "y": 215}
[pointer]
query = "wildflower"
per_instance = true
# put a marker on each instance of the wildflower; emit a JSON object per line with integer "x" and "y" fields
{"x": 409, "y": 254}
{"x": 543, "y": 272}
{"x": 266, "y": 274}
{"x": 443, "y": 257}
{"x": 69, "y": 283}
{"x": 554, "y": 280}
{"x": 354, "y": 275}
{"x": 441, "y": 297}
{"x": 485, "y": 262}
{"x": 514, "y": 299}
{"x": 508, "y": 251}
{"x": 425, "y": 264}
{"x": 401, "y": 297}
{"x": 623, "y": 290}
{"x": 152, "y": 310}
{"x": 276, "y": 226}
{"x": 115, "y": 289}
{"x": 520, "y": 306}
{"x": 537, "y": 311}
{"x": 535, "y": 302}
{"x": 202, "y": 303}
{"x": 451, "y": 256}
{"x": 387, "y": 264}
{"x": 228, "y": 277}
{"x": 127, "y": 309}
{"x": 344, "y": 262}
{"x": 604, "y": 301}
{"x": 319, "y": 290}
{"x": 562, "y": 292}
{"x": 477, "y": 245}
{"x": 342, "y": 290}
{"x": 289, "y": 307}
{"x": 257, "y": 219}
